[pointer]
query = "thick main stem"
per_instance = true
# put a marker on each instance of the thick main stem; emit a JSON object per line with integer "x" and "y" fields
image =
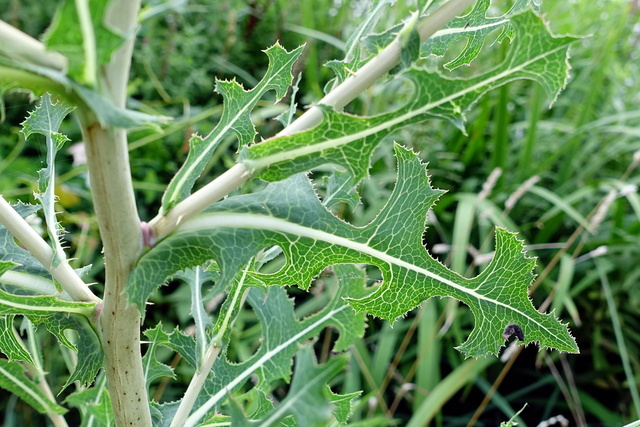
{"x": 121, "y": 236}
{"x": 115, "y": 207}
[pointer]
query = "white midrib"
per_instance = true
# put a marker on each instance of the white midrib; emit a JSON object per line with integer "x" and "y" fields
{"x": 257, "y": 94}
{"x": 261, "y": 222}
{"x": 202, "y": 410}
{"x": 262, "y": 162}
{"x": 469, "y": 29}
{"x": 26, "y": 308}
{"x": 43, "y": 402}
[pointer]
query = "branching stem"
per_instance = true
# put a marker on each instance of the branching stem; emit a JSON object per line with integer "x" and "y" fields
{"x": 40, "y": 249}
{"x": 197, "y": 382}
{"x": 165, "y": 223}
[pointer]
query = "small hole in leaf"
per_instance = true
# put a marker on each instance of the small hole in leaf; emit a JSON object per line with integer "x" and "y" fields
{"x": 513, "y": 329}
{"x": 374, "y": 276}
{"x": 270, "y": 260}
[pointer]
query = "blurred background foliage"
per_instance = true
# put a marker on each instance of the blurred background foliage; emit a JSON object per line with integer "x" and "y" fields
{"x": 579, "y": 211}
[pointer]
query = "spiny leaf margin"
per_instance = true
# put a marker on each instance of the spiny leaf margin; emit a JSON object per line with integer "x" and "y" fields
{"x": 238, "y": 104}
{"x": 349, "y": 141}
{"x": 288, "y": 214}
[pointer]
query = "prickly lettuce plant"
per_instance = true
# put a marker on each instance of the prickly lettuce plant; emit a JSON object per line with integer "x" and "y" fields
{"x": 234, "y": 241}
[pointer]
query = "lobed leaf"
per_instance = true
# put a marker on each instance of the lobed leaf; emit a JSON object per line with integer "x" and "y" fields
{"x": 340, "y": 190}
{"x": 473, "y": 28}
{"x": 288, "y": 214}
{"x": 41, "y": 305}
{"x": 88, "y": 346}
{"x": 94, "y": 404}
{"x": 57, "y": 316}
{"x": 238, "y": 105}
{"x": 307, "y": 400}
{"x": 46, "y": 120}
{"x": 282, "y": 333}
{"x": 348, "y": 141}
{"x": 152, "y": 367}
{"x": 10, "y": 344}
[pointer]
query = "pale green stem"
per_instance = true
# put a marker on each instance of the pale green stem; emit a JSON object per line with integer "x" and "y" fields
{"x": 196, "y": 384}
{"x": 40, "y": 249}
{"x": 20, "y": 46}
{"x": 199, "y": 201}
{"x": 162, "y": 225}
{"x": 35, "y": 372}
{"x": 198, "y": 380}
{"x": 119, "y": 224}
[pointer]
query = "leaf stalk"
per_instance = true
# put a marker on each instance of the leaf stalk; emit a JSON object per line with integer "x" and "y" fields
{"x": 165, "y": 223}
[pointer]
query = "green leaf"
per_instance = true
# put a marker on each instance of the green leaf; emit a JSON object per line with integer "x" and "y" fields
{"x": 282, "y": 333}
{"x": 196, "y": 277}
{"x": 349, "y": 141}
{"x": 177, "y": 341}
{"x": 14, "y": 380}
{"x": 184, "y": 345}
{"x": 26, "y": 76}
{"x": 80, "y": 34}
{"x": 154, "y": 369}
{"x": 46, "y": 120}
{"x": 90, "y": 354}
{"x": 6, "y": 266}
{"x": 307, "y": 400}
{"x": 238, "y": 105}
{"x": 259, "y": 407}
{"x": 255, "y": 403}
{"x": 410, "y": 41}
{"x": 351, "y": 282}
{"x": 288, "y": 214}
{"x": 10, "y": 252}
{"x": 94, "y": 404}
{"x": 472, "y": 28}
{"x": 10, "y": 344}
{"x": 340, "y": 190}
{"x": 353, "y": 53}
{"x": 42, "y": 305}
{"x": 343, "y": 404}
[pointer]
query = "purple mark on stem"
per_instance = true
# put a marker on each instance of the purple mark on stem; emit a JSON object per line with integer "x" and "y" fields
{"x": 147, "y": 235}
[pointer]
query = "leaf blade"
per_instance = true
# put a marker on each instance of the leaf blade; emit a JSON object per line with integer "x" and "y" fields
{"x": 14, "y": 380}
{"x": 288, "y": 214}
{"x": 46, "y": 120}
{"x": 238, "y": 104}
{"x": 348, "y": 141}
